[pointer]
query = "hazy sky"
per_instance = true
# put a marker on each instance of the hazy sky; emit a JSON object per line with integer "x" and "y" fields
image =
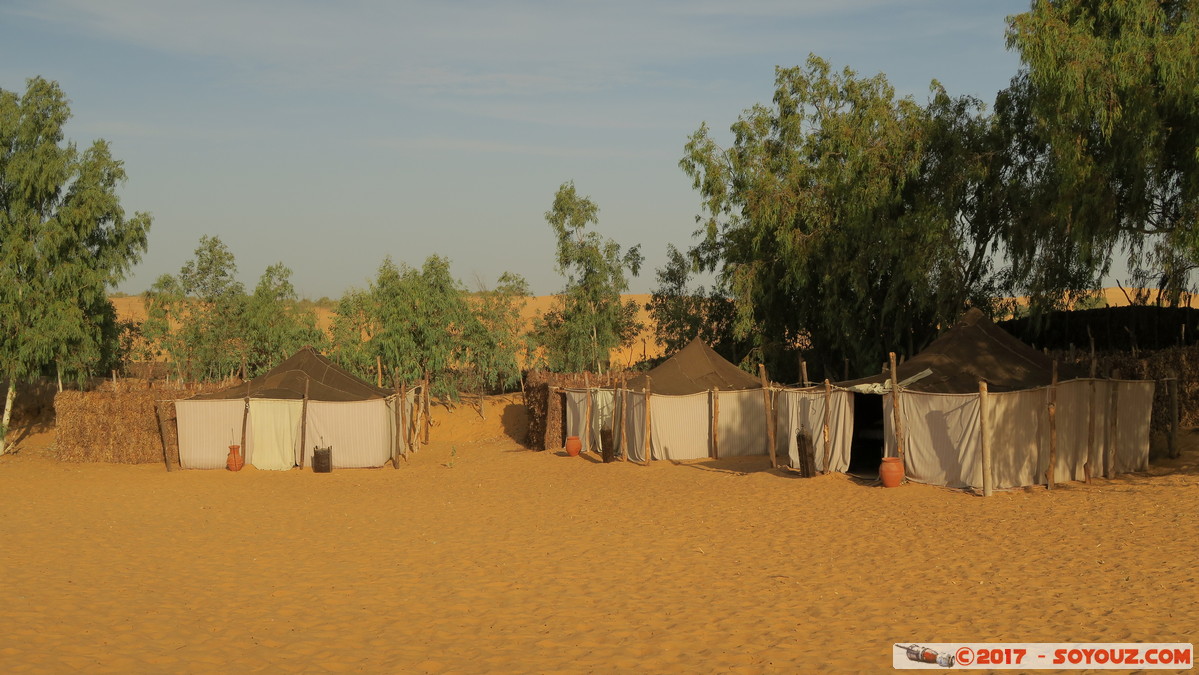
{"x": 328, "y": 135}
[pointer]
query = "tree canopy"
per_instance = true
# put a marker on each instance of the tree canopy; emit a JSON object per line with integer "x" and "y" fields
{"x": 589, "y": 319}
{"x": 839, "y": 219}
{"x": 64, "y": 240}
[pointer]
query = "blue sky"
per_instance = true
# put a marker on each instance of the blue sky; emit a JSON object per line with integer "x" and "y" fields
{"x": 329, "y": 135}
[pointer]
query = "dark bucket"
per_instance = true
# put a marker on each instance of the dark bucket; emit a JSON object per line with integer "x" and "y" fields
{"x": 322, "y": 460}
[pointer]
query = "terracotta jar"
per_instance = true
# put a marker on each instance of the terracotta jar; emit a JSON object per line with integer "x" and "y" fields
{"x": 235, "y": 461}
{"x": 573, "y": 446}
{"x": 891, "y": 471}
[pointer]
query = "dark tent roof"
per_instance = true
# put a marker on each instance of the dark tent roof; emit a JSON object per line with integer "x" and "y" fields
{"x": 326, "y": 380}
{"x": 694, "y": 369}
{"x": 973, "y": 349}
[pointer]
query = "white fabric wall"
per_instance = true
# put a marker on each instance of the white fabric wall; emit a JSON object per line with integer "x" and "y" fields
{"x": 603, "y": 410}
{"x": 205, "y": 428}
{"x": 276, "y": 434}
{"x": 944, "y": 444}
{"x": 360, "y": 432}
{"x": 680, "y": 427}
{"x": 634, "y": 432}
{"x": 804, "y": 409}
{"x": 741, "y": 429}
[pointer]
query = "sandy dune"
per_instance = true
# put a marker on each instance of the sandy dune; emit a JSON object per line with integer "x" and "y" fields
{"x": 478, "y": 556}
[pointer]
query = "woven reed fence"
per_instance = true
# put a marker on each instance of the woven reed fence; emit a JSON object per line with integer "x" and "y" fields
{"x": 118, "y": 423}
{"x": 546, "y": 402}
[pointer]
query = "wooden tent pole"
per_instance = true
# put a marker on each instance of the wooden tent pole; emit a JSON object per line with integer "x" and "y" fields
{"x": 1109, "y": 468}
{"x": 828, "y": 415}
{"x": 769, "y": 416}
{"x": 397, "y": 417}
{"x": 245, "y": 417}
{"x": 587, "y": 415}
{"x": 803, "y": 371}
{"x": 898, "y": 417}
{"x": 1051, "y": 468}
{"x": 624, "y": 420}
{"x": 647, "y": 450}
{"x": 304, "y": 422}
{"x": 984, "y": 436}
{"x": 428, "y": 422}
{"x": 402, "y": 408}
{"x": 715, "y": 423}
{"x": 162, "y": 433}
{"x": 378, "y": 371}
{"x": 1086, "y": 467}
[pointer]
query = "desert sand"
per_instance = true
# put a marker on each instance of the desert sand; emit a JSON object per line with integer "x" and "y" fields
{"x": 477, "y": 555}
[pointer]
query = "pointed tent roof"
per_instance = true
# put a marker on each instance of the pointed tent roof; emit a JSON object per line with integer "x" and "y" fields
{"x": 973, "y": 349}
{"x": 326, "y": 380}
{"x": 693, "y": 369}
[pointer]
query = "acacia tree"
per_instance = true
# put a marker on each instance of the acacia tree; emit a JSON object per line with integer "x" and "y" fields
{"x": 822, "y": 222}
{"x": 1103, "y": 128}
{"x": 197, "y": 316}
{"x": 682, "y": 312}
{"x": 64, "y": 239}
{"x": 494, "y": 340}
{"x": 274, "y": 325}
{"x": 589, "y": 319}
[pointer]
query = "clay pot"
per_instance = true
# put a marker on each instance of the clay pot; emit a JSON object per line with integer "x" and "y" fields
{"x": 573, "y": 446}
{"x": 891, "y": 471}
{"x": 235, "y": 461}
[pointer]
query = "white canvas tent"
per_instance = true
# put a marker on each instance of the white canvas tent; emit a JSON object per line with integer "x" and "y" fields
{"x": 686, "y": 393}
{"x": 1102, "y": 426}
{"x": 305, "y": 397}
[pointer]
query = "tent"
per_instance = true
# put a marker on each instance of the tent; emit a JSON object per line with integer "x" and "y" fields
{"x": 1101, "y": 427}
{"x": 700, "y": 406}
{"x": 307, "y": 397}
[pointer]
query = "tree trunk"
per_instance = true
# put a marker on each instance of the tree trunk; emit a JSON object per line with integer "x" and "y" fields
{"x": 9, "y": 401}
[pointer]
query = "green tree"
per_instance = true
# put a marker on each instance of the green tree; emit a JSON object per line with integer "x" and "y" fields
{"x": 824, "y": 222}
{"x": 1103, "y": 122}
{"x": 589, "y": 319}
{"x": 198, "y": 317}
{"x": 64, "y": 240}
{"x": 681, "y": 312}
{"x": 274, "y": 324}
{"x": 495, "y": 338}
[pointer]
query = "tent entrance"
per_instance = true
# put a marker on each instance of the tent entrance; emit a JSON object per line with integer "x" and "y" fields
{"x": 866, "y": 450}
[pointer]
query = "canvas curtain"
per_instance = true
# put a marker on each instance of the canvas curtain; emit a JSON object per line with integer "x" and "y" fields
{"x": 360, "y": 432}
{"x": 603, "y": 412}
{"x": 804, "y": 410}
{"x": 206, "y": 430}
{"x": 276, "y": 433}
{"x": 741, "y": 429}
{"x": 1101, "y": 422}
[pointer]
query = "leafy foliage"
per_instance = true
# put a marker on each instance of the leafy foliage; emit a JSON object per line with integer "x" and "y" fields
{"x": 840, "y": 217}
{"x": 682, "y": 313}
{"x": 1103, "y": 139}
{"x": 64, "y": 239}
{"x": 589, "y": 320}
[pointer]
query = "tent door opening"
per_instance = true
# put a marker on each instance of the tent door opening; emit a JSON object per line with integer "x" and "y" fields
{"x": 866, "y": 449}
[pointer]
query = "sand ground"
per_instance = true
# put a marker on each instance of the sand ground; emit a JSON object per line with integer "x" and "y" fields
{"x": 479, "y": 556}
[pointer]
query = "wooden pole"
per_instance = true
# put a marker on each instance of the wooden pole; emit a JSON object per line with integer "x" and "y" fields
{"x": 1109, "y": 468}
{"x": 162, "y": 433}
{"x": 245, "y": 417}
{"x": 648, "y": 449}
{"x": 1172, "y": 383}
{"x": 803, "y": 371}
{"x": 304, "y": 423}
{"x": 828, "y": 416}
{"x": 1050, "y": 469}
{"x": 898, "y": 418}
{"x": 428, "y": 422}
{"x": 1086, "y": 467}
{"x": 769, "y": 416}
{"x": 712, "y": 413}
{"x": 402, "y": 409}
{"x": 587, "y": 416}
{"x": 379, "y": 371}
{"x": 624, "y": 420}
{"x": 984, "y": 429}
